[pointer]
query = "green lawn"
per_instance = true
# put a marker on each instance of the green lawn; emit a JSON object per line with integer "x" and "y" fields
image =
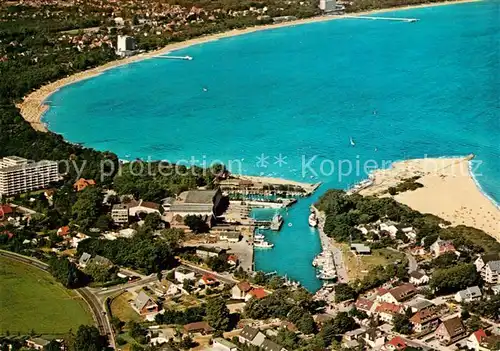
{"x": 31, "y": 299}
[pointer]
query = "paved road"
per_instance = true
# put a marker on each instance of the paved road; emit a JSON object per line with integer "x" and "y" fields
{"x": 96, "y": 306}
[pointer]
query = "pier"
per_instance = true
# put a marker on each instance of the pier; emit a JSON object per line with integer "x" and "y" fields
{"x": 397, "y": 19}
{"x": 188, "y": 58}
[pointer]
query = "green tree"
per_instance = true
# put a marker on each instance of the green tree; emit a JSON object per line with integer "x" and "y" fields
{"x": 402, "y": 324}
{"x": 217, "y": 313}
{"x": 344, "y": 292}
{"x": 86, "y": 209}
{"x": 53, "y": 345}
{"x": 88, "y": 338}
{"x": 99, "y": 272}
{"x": 196, "y": 224}
{"x": 152, "y": 221}
{"x": 453, "y": 279}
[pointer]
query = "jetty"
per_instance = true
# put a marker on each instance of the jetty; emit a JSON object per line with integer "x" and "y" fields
{"x": 375, "y": 18}
{"x": 188, "y": 58}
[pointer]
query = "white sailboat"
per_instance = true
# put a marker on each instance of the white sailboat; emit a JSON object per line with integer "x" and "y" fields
{"x": 352, "y": 142}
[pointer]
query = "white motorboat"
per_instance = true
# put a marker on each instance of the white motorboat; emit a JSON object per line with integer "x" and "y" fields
{"x": 263, "y": 244}
{"x": 313, "y": 220}
{"x": 259, "y": 237}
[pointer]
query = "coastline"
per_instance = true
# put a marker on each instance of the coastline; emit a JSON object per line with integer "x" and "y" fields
{"x": 34, "y": 106}
{"x": 450, "y": 191}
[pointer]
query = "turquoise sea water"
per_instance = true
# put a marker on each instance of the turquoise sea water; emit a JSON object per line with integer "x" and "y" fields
{"x": 400, "y": 90}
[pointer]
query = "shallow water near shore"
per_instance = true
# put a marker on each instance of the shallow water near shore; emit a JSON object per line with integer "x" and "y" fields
{"x": 399, "y": 90}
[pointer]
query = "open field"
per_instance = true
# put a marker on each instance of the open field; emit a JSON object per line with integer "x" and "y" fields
{"x": 120, "y": 307}
{"x": 358, "y": 266}
{"x": 31, "y": 299}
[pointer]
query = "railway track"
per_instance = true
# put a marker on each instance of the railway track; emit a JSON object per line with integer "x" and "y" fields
{"x": 92, "y": 301}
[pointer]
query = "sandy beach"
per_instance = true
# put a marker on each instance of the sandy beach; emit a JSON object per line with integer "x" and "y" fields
{"x": 32, "y": 107}
{"x": 449, "y": 191}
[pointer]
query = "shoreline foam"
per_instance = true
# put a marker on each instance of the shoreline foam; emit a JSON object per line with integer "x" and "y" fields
{"x": 450, "y": 191}
{"x": 33, "y": 107}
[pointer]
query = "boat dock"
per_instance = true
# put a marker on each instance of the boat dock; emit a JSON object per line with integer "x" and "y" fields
{"x": 188, "y": 58}
{"x": 398, "y": 19}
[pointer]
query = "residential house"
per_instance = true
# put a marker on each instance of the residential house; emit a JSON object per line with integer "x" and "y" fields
{"x": 391, "y": 229}
{"x": 84, "y": 259}
{"x": 141, "y": 206}
{"x": 425, "y": 320}
{"x": 181, "y": 274}
{"x": 491, "y": 272}
{"x": 418, "y": 304}
{"x": 240, "y": 290}
{"x": 322, "y": 318}
{"x": 36, "y": 343}
{"x": 77, "y": 239}
{"x": 221, "y": 344}
{"x": 127, "y": 233}
{"x": 496, "y": 289}
{"x": 410, "y": 233}
{"x": 5, "y": 211}
{"x": 251, "y": 336}
{"x": 198, "y": 327}
{"x": 386, "y": 311}
{"x": 145, "y": 304}
{"x": 208, "y": 280}
{"x": 257, "y": 293}
{"x": 398, "y": 294}
{"x": 451, "y": 330}
{"x": 63, "y": 231}
{"x": 82, "y": 183}
{"x": 352, "y": 337}
{"x": 481, "y": 260}
{"x": 440, "y": 247}
{"x": 419, "y": 278}
{"x": 232, "y": 237}
{"x": 479, "y": 341}
{"x": 268, "y": 345}
{"x": 374, "y": 338}
{"x": 119, "y": 214}
{"x": 365, "y": 305}
{"x": 395, "y": 344}
{"x": 468, "y": 295}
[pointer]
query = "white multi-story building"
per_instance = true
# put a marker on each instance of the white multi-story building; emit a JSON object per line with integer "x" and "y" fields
{"x": 327, "y": 5}
{"x": 125, "y": 45}
{"x": 19, "y": 175}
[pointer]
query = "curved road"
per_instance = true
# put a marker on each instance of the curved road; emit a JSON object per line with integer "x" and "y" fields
{"x": 97, "y": 308}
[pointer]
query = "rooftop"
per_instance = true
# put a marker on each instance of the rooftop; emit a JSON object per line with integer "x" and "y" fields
{"x": 197, "y": 196}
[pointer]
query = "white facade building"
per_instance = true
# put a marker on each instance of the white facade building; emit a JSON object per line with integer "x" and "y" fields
{"x": 327, "y": 5}
{"x": 19, "y": 175}
{"x": 125, "y": 45}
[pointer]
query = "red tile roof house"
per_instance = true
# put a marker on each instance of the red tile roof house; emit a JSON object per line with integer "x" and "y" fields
{"x": 450, "y": 331}
{"x": 5, "y": 210}
{"x": 398, "y": 294}
{"x": 208, "y": 280}
{"x": 257, "y": 293}
{"x": 232, "y": 260}
{"x": 82, "y": 183}
{"x": 63, "y": 231}
{"x": 386, "y": 311}
{"x": 479, "y": 341}
{"x": 396, "y": 343}
{"x": 145, "y": 304}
